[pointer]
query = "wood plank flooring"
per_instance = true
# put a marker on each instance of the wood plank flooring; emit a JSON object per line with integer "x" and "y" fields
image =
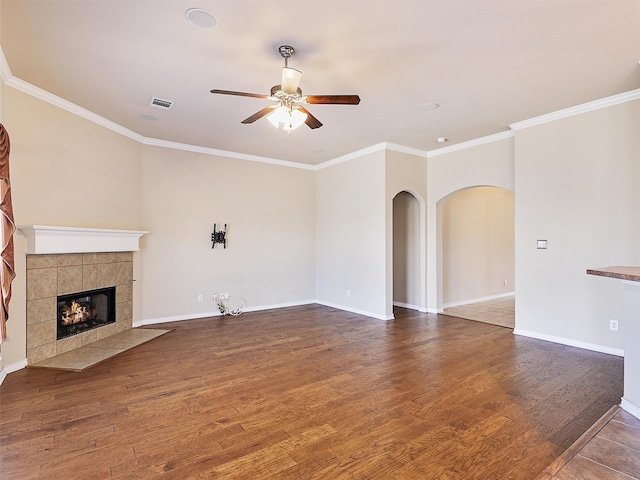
{"x": 309, "y": 393}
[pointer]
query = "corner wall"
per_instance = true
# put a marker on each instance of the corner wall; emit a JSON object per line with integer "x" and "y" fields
{"x": 576, "y": 187}
{"x": 405, "y": 171}
{"x": 52, "y": 153}
{"x": 485, "y": 164}
{"x": 351, "y": 235}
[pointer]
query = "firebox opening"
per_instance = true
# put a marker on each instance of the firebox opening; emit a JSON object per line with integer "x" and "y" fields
{"x": 82, "y": 311}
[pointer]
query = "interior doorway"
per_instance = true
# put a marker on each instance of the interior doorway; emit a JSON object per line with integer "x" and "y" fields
{"x": 478, "y": 254}
{"x": 406, "y": 251}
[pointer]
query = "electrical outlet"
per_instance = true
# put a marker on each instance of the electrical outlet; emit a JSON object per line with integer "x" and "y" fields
{"x": 613, "y": 325}
{"x": 348, "y": 293}
{"x": 505, "y": 283}
{"x": 199, "y": 298}
{"x": 224, "y": 296}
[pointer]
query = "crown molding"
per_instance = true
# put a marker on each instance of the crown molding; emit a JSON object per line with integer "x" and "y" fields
{"x": 63, "y": 104}
{"x": 408, "y": 150}
{"x": 471, "y": 143}
{"x": 372, "y": 149}
{"x": 224, "y": 153}
{"x": 350, "y": 156}
{"x": 578, "y": 109}
{"x": 5, "y": 71}
{"x": 39, "y": 93}
{"x": 29, "y": 89}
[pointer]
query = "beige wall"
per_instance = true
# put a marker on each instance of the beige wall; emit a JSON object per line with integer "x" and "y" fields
{"x": 406, "y": 171}
{"x": 270, "y": 211}
{"x": 296, "y": 235}
{"x": 350, "y": 226}
{"x": 354, "y": 224}
{"x": 577, "y": 188}
{"x": 270, "y": 215}
{"x": 486, "y": 164}
{"x": 68, "y": 171}
{"x": 477, "y": 244}
{"x": 65, "y": 171}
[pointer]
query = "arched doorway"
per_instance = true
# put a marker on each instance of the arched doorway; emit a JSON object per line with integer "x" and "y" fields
{"x": 478, "y": 254}
{"x": 406, "y": 251}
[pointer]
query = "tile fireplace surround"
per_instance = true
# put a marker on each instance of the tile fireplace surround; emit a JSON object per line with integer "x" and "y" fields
{"x": 66, "y": 260}
{"x": 59, "y": 274}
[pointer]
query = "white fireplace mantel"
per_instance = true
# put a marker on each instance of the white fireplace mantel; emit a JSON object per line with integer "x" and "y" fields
{"x": 48, "y": 240}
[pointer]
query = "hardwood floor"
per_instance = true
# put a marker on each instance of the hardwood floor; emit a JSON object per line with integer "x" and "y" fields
{"x": 309, "y": 393}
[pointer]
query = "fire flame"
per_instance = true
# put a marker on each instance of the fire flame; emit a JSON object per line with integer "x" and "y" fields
{"x": 75, "y": 314}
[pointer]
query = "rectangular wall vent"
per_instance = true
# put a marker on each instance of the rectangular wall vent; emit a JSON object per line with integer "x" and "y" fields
{"x": 158, "y": 102}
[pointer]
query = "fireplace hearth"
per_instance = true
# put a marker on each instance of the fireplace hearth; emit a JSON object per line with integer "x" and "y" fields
{"x": 83, "y": 311}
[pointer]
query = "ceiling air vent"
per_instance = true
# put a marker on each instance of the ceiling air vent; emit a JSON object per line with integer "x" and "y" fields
{"x": 158, "y": 102}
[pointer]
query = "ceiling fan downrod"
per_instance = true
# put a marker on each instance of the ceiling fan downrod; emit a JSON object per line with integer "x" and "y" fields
{"x": 285, "y": 52}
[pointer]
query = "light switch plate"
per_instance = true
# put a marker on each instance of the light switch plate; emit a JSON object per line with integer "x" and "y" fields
{"x": 542, "y": 244}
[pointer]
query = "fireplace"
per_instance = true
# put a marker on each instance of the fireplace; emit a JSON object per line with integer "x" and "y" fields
{"x": 83, "y": 311}
{"x": 54, "y": 276}
{"x": 63, "y": 260}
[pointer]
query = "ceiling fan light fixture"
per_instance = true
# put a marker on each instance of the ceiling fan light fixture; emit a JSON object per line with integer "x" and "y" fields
{"x": 288, "y": 95}
{"x": 290, "y": 80}
{"x": 297, "y": 119}
{"x": 289, "y": 119}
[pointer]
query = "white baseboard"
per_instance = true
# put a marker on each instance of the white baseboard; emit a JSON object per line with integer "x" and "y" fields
{"x": 216, "y": 313}
{"x": 629, "y": 407}
{"x": 406, "y": 305}
{"x": 174, "y": 318}
{"x": 476, "y": 300}
{"x": 13, "y": 367}
{"x": 355, "y": 310}
{"x": 433, "y": 310}
{"x": 279, "y": 305}
{"x": 571, "y": 343}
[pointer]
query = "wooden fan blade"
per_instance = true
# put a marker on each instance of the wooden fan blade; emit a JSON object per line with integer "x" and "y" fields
{"x": 334, "y": 99}
{"x": 311, "y": 121}
{"x": 239, "y": 94}
{"x": 260, "y": 114}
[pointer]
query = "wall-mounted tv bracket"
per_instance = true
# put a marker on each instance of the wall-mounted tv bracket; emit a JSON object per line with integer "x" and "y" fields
{"x": 219, "y": 236}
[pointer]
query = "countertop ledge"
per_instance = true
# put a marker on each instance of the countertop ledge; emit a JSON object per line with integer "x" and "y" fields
{"x": 631, "y": 274}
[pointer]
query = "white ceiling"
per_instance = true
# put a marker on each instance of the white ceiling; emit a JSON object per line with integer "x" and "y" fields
{"x": 488, "y": 63}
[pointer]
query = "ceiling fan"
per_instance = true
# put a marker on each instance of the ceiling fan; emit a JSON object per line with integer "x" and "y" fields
{"x": 288, "y": 111}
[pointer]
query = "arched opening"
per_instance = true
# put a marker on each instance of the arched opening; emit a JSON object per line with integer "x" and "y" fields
{"x": 478, "y": 254}
{"x": 406, "y": 251}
